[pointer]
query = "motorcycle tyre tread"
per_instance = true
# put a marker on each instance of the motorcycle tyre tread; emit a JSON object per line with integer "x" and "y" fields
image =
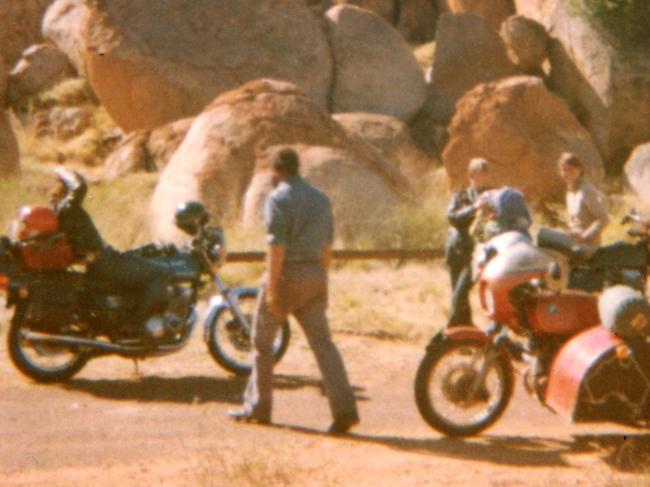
{"x": 28, "y": 369}
{"x": 237, "y": 368}
{"x": 423, "y": 401}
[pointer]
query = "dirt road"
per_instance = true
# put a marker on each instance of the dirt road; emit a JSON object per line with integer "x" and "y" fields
{"x": 168, "y": 426}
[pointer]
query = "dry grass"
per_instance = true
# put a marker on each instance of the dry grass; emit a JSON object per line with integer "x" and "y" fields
{"x": 255, "y": 469}
{"x": 89, "y": 148}
{"x": 119, "y": 209}
{"x": 409, "y": 302}
{"x": 408, "y": 226}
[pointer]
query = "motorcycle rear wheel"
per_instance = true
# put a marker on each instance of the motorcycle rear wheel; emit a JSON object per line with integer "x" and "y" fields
{"x": 229, "y": 342}
{"x": 39, "y": 362}
{"x": 444, "y": 383}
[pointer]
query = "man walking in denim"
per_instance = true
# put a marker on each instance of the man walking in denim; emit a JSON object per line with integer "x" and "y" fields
{"x": 299, "y": 225}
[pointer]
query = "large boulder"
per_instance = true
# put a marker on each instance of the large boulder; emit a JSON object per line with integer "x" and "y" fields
{"x": 20, "y": 26}
{"x": 523, "y": 129}
{"x": 392, "y": 139}
{"x": 414, "y": 19}
{"x": 146, "y": 150}
{"x": 637, "y": 171}
{"x": 40, "y": 67}
{"x": 230, "y": 141}
{"x": 64, "y": 25}
{"x": 149, "y": 73}
{"x": 527, "y": 43}
{"x": 375, "y": 69}
{"x": 468, "y": 52}
{"x": 493, "y": 11}
{"x": 607, "y": 85}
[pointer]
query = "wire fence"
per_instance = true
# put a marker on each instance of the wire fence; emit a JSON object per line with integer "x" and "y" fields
{"x": 346, "y": 254}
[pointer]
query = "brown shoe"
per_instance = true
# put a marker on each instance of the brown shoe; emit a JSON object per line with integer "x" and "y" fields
{"x": 343, "y": 423}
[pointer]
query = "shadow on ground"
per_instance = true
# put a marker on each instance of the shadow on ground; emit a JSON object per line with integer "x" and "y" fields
{"x": 289, "y": 382}
{"x": 183, "y": 390}
{"x": 623, "y": 452}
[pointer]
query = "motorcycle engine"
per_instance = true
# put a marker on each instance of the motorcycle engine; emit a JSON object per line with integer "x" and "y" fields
{"x": 178, "y": 310}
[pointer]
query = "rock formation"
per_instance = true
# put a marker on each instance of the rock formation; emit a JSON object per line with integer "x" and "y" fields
{"x": 229, "y": 143}
{"x": 523, "y": 129}
{"x": 607, "y": 86}
{"x": 468, "y": 52}
{"x": 637, "y": 171}
{"x": 40, "y": 67}
{"x": 375, "y": 69}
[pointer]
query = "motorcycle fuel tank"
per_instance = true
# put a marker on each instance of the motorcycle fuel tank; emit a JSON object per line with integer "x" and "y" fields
{"x": 516, "y": 261}
{"x": 564, "y": 313}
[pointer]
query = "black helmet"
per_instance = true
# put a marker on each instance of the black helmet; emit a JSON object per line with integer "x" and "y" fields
{"x": 190, "y": 216}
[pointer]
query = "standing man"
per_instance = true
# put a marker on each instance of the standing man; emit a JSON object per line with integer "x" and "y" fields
{"x": 299, "y": 225}
{"x": 458, "y": 251}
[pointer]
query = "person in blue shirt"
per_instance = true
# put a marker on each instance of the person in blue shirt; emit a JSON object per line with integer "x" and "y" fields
{"x": 300, "y": 232}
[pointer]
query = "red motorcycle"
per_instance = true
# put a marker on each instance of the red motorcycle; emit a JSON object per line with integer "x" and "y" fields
{"x": 586, "y": 357}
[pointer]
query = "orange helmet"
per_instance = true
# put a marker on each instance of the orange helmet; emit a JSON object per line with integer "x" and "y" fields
{"x": 36, "y": 221}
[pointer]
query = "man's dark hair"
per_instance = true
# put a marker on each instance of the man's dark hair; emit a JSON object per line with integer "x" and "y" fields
{"x": 570, "y": 159}
{"x": 286, "y": 162}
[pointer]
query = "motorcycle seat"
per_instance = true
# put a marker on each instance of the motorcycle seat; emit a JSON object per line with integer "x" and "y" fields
{"x": 548, "y": 238}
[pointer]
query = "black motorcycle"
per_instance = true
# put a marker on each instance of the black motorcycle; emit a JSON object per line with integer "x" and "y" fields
{"x": 63, "y": 318}
{"x": 618, "y": 263}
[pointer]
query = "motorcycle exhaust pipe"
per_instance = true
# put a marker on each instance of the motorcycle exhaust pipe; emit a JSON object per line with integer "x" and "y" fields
{"x": 46, "y": 338}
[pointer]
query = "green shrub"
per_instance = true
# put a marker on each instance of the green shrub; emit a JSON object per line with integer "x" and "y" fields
{"x": 627, "y": 20}
{"x": 409, "y": 226}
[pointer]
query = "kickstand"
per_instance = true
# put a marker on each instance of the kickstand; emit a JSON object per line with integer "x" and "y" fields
{"x": 136, "y": 368}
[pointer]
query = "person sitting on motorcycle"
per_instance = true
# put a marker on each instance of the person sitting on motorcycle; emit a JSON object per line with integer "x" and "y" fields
{"x": 458, "y": 251}
{"x": 130, "y": 273}
{"x": 586, "y": 211}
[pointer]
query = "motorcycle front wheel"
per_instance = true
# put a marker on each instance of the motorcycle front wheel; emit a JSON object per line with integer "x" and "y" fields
{"x": 451, "y": 395}
{"x": 43, "y": 363}
{"x": 229, "y": 340}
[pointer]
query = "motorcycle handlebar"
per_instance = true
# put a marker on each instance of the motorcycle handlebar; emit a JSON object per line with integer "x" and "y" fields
{"x": 633, "y": 232}
{"x": 633, "y": 217}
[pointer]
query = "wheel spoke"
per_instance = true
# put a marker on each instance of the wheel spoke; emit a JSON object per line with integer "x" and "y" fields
{"x": 457, "y": 394}
{"x": 230, "y": 342}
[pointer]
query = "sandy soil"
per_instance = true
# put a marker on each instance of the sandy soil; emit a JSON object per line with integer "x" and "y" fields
{"x": 168, "y": 426}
